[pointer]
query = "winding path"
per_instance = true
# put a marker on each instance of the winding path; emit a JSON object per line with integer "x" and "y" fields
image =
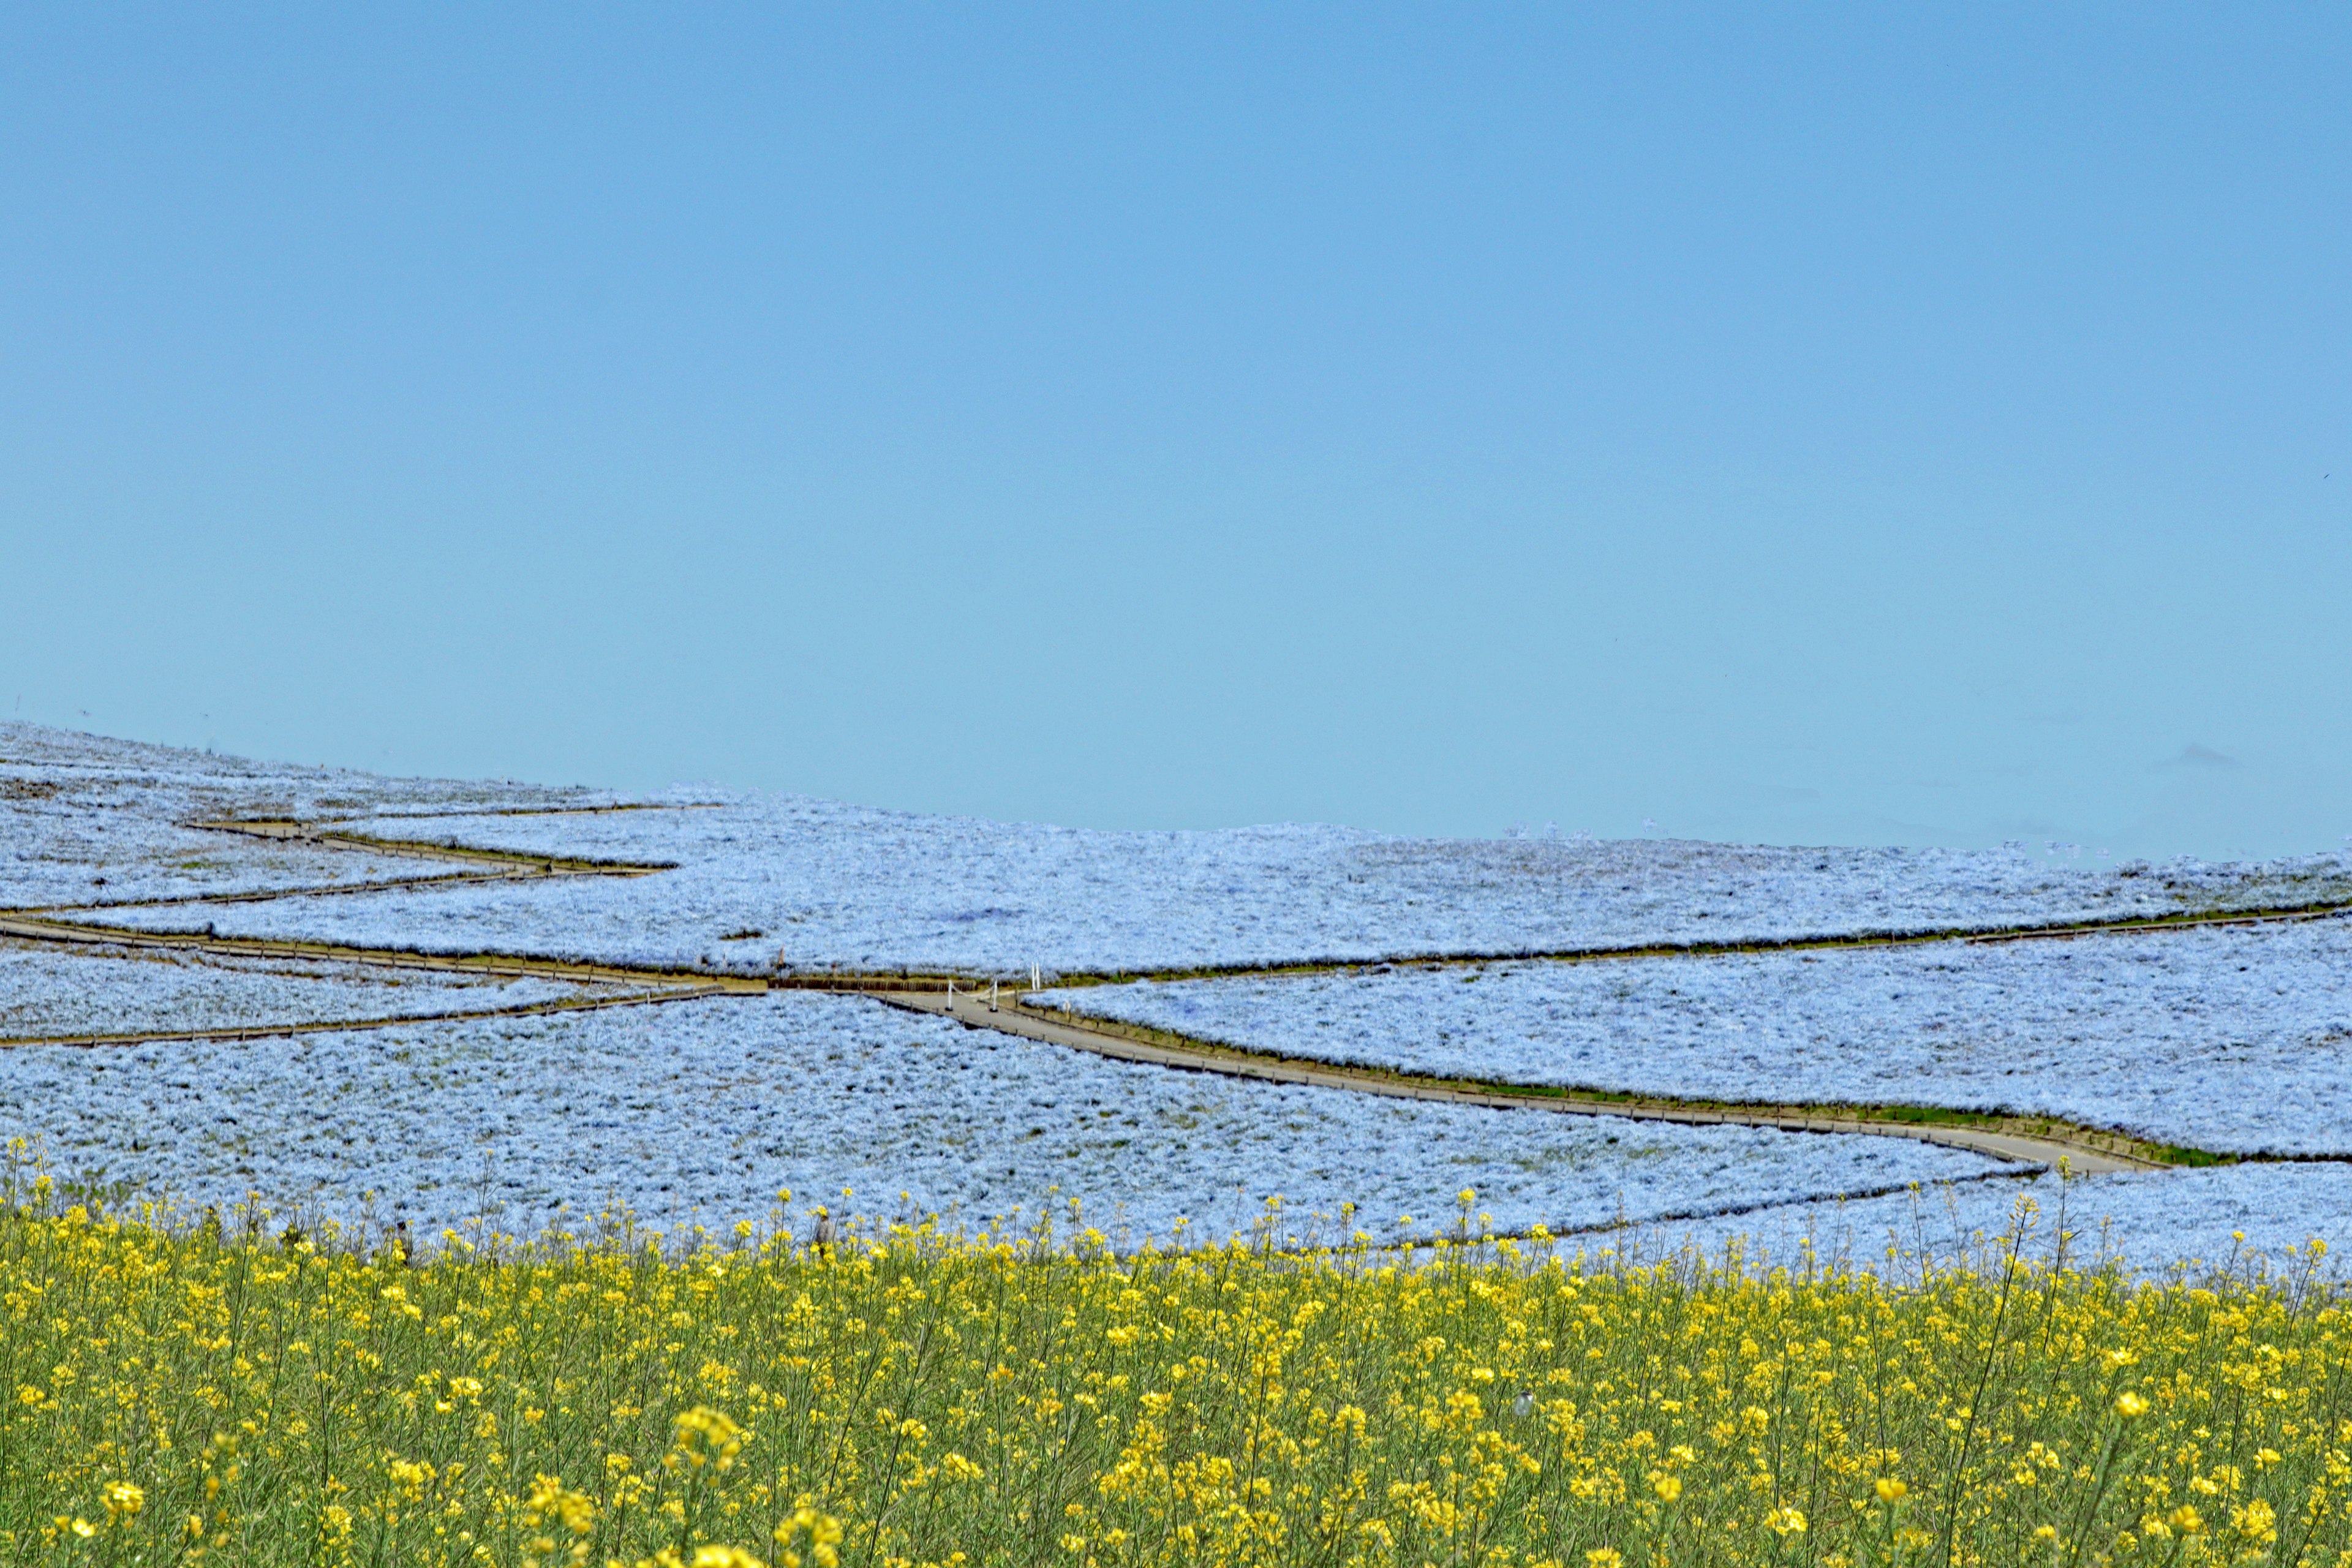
{"x": 2018, "y": 1139}
{"x": 2003, "y": 1139}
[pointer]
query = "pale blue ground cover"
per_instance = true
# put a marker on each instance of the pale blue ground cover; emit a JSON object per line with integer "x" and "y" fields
{"x": 2225, "y": 1038}
{"x": 824, "y": 884}
{"x": 2242, "y": 1218}
{"x": 2234, "y": 1039}
{"x": 704, "y": 1110}
{"x": 46, "y": 989}
{"x": 87, "y": 820}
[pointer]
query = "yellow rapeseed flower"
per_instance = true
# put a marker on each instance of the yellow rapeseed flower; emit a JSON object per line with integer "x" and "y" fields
{"x": 1250, "y": 1401}
{"x": 724, "y": 1557}
{"x": 824, "y": 1531}
{"x": 707, "y": 1437}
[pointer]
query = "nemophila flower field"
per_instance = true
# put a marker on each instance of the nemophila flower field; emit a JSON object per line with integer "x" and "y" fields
{"x": 47, "y": 990}
{"x": 88, "y": 819}
{"x": 966, "y": 1333}
{"x": 825, "y": 884}
{"x": 701, "y": 1112}
{"x": 2149, "y": 1224}
{"x": 819, "y": 883}
{"x": 913, "y": 1398}
{"x": 832, "y": 883}
{"x": 2232, "y": 1039}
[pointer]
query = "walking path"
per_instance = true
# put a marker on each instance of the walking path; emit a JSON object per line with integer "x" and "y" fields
{"x": 339, "y": 1025}
{"x": 2033, "y": 1141}
{"x": 42, "y": 927}
{"x": 501, "y": 865}
{"x": 2025, "y": 1140}
{"x": 1973, "y": 936}
{"x": 2046, "y": 1143}
{"x": 287, "y": 829}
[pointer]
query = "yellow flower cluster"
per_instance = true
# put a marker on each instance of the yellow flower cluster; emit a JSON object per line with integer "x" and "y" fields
{"x": 908, "y": 1399}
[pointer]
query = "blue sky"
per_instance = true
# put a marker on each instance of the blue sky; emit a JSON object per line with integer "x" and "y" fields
{"x": 1816, "y": 423}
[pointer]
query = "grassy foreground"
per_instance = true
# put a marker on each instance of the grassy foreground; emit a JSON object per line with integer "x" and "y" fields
{"x": 177, "y": 1397}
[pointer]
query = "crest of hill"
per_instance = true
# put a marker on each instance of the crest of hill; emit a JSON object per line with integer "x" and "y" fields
{"x": 88, "y": 819}
{"x": 765, "y": 882}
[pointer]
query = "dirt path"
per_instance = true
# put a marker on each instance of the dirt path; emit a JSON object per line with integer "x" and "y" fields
{"x": 2046, "y": 1143}
{"x": 502, "y": 866}
{"x": 2019, "y": 1140}
{"x": 1972, "y": 936}
{"x": 38, "y": 927}
{"x": 336, "y": 1026}
{"x": 2031, "y": 1141}
{"x": 288, "y": 830}
{"x": 484, "y": 866}
{"x": 326, "y": 891}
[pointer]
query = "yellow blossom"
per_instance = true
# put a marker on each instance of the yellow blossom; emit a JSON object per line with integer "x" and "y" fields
{"x": 1206, "y": 1403}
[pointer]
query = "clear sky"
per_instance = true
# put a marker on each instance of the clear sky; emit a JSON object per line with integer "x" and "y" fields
{"x": 1887, "y": 423}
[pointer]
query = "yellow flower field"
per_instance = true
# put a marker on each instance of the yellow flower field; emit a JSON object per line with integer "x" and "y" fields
{"x": 914, "y": 1398}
